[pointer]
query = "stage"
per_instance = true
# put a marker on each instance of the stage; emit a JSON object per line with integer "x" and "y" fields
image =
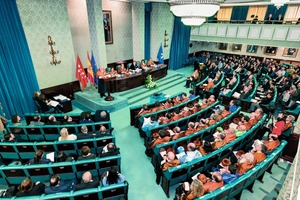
{"x": 90, "y": 100}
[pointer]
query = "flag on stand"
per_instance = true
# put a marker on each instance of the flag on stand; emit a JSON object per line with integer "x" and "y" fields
{"x": 90, "y": 70}
{"x": 80, "y": 73}
{"x": 160, "y": 55}
{"x": 94, "y": 67}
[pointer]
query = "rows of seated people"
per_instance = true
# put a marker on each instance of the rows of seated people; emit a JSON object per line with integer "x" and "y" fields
{"x": 57, "y": 185}
{"x": 150, "y": 122}
{"x": 51, "y": 119}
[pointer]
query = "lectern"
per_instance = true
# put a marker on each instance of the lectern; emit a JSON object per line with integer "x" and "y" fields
{"x": 107, "y": 82}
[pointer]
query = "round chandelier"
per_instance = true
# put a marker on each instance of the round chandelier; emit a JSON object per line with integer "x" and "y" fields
{"x": 194, "y": 12}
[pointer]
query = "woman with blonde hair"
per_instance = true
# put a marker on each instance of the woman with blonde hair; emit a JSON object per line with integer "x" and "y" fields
{"x": 64, "y": 135}
{"x": 196, "y": 190}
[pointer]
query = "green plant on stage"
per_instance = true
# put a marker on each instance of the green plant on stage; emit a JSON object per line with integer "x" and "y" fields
{"x": 150, "y": 83}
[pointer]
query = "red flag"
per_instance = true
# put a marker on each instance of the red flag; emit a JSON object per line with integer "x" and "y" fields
{"x": 80, "y": 73}
{"x": 90, "y": 70}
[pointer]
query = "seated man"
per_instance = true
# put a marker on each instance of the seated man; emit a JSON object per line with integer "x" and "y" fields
{"x": 191, "y": 129}
{"x": 84, "y": 133}
{"x": 163, "y": 137}
{"x": 87, "y": 182}
{"x": 36, "y": 121}
{"x": 169, "y": 161}
{"x": 68, "y": 120}
{"x": 258, "y": 151}
{"x": 218, "y": 141}
{"x": 149, "y": 122}
{"x": 86, "y": 154}
{"x": 109, "y": 150}
{"x": 52, "y": 121}
{"x": 214, "y": 183}
{"x": 191, "y": 154}
{"x": 272, "y": 143}
{"x": 9, "y": 137}
{"x": 245, "y": 163}
{"x": 57, "y": 185}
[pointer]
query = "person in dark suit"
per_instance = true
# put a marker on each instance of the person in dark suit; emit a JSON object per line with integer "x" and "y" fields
{"x": 134, "y": 66}
{"x": 52, "y": 121}
{"x": 279, "y": 19}
{"x": 101, "y": 115}
{"x": 84, "y": 134}
{"x": 269, "y": 20}
{"x": 109, "y": 150}
{"x": 255, "y": 20}
{"x": 86, "y": 153}
{"x": 28, "y": 188}
{"x": 57, "y": 185}
{"x": 87, "y": 182}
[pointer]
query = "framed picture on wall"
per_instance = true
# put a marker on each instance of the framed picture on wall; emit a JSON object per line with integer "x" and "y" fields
{"x": 223, "y": 46}
{"x": 290, "y": 52}
{"x": 271, "y": 51}
{"x": 252, "y": 49}
{"x": 236, "y": 47}
{"x": 107, "y": 25}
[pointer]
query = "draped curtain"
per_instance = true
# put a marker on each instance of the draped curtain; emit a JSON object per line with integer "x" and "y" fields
{"x": 239, "y": 13}
{"x": 180, "y": 44}
{"x": 148, "y": 9}
{"x": 260, "y": 11}
{"x": 275, "y": 12}
{"x": 224, "y": 13}
{"x": 292, "y": 13}
{"x": 17, "y": 76}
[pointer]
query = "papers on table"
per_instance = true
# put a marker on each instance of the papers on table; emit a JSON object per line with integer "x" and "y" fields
{"x": 236, "y": 95}
{"x": 53, "y": 103}
{"x": 298, "y": 102}
{"x": 50, "y": 156}
{"x": 233, "y": 125}
{"x": 163, "y": 153}
{"x": 61, "y": 97}
{"x": 253, "y": 100}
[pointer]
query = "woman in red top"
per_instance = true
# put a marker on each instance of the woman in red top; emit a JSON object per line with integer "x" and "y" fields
{"x": 278, "y": 125}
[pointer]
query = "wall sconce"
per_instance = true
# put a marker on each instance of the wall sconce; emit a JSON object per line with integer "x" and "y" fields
{"x": 166, "y": 39}
{"x": 53, "y": 61}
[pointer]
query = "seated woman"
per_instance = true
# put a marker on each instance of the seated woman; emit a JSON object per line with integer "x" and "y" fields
{"x": 64, "y": 135}
{"x": 190, "y": 191}
{"x": 193, "y": 78}
{"x": 16, "y": 120}
{"x": 38, "y": 158}
{"x": 28, "y": 188}
{"x": 112, "y": 177}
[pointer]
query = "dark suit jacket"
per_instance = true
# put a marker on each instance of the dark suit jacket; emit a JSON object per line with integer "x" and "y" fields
{"x": 84, "y": 136}
{"x": 64, "y": 186}
{"x": 82, "y": 186}
{"x": 36, "y": 190}
{"x": 86, "y": 157}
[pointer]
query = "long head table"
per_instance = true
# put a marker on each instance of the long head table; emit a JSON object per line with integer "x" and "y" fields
{"x": 128, "y": 82}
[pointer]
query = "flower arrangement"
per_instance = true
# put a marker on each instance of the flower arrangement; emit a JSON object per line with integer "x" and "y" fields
{"x": 150, "y": 83}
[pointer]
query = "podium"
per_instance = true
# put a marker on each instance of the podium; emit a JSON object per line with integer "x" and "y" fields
{"x": 107, "y": 82}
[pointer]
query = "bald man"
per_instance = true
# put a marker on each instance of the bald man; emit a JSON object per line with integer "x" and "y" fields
{"x": 87, "y": 182}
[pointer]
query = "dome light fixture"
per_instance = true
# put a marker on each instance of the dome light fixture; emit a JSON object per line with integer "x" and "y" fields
{"x": 194, "y": 12}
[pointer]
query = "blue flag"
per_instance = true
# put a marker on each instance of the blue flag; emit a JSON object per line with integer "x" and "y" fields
{"x": 160, "y": 55}
{"x": 94, "y": 67}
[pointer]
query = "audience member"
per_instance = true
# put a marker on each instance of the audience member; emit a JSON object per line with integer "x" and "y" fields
{"x": 86, "y": 153}
{"x": 62, "y": 157}
{"x": 9, "y": 137}
{"x": 84, "y": 133}
{"x": 87, "y": 182}
{"x": 68, "y": 120}
{"x": 52, "y": 121}
{"x": 16, "y": 120}
{"x": 64, "y": 135}
{"x": 36, "y": 121}
{"x": 191, "y": 154}
{"x": 214, "y": 183}
{"x": 258, "y": 151}
{"x": 57, "y": 185}
{"x": 195, "y": 190}
{"x": 86, "y": 119}
{"x": 28, "y": 188}
{"x": 109, "y": 150}
{"x": 38, "y": 158}
{"x": 112, "y": 176}
{"x": 169, "y": 161}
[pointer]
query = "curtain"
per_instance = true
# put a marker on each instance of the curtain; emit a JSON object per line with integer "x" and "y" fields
{"x": 17, "y": 76}
{"x": 239, "y": 13}
{"x": 224, "y": 13}
{"x": 179, "y": 50}
{"x": 275, "y": 12}
{"x": 292, "y": 13}
{"x": 148, "y": 8}
{"x": 260, "y": 11}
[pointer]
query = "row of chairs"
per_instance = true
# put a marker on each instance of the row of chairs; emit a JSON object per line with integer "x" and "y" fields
{"x": 95, "y": 116}
{"x": 26, "y": 150}
{"x": 15, "y": 174}
{"x": 183, "y": 122}
{"x": 163, "y": 112}
{"x": 51, "y": 132}
{"x": 185, "y": 171}
{"x": 246, "y": 181}
{"x": 134, "y": 110}
{"x": 111, "y": 192}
